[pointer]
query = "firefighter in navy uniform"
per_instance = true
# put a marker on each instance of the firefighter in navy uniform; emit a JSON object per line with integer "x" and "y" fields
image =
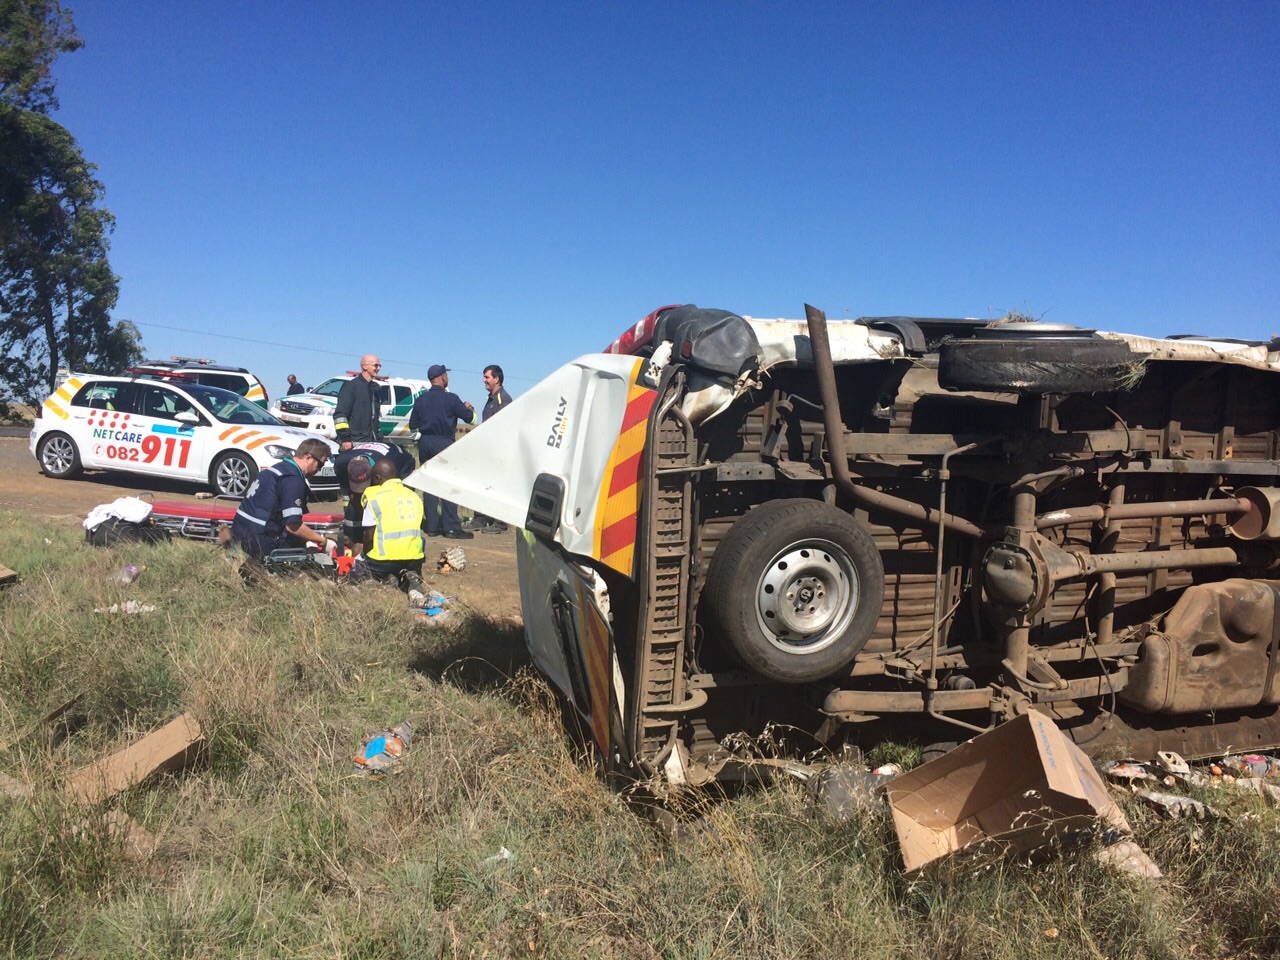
{"x": 354, "y": 483}
{"x": 270, "y": 515}
{"x": 357, "y": 415}
{"x": 436, "y": 414}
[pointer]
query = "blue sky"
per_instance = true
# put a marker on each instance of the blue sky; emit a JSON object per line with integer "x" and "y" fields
{"x": 516, "y": 183}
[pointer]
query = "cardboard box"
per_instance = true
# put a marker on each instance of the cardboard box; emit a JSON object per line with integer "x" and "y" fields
{"x": 1016, "y": 787}
{"x": 172, "y": 747}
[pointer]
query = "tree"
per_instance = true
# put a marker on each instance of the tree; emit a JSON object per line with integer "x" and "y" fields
{"x": 33, "y": 33}
{"x": 57, "y": 289}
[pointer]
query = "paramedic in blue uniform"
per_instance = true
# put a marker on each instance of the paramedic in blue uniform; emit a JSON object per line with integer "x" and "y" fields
{"x": 353, "y": 485}
{"x": 270, "y": 515}
{"x": 436, "y": 414}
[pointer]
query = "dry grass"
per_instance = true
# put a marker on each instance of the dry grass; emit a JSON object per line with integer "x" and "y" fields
{"x": 274, "y": 848}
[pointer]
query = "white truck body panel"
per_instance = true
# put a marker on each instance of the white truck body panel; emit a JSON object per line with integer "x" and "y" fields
{"x": 566, "y": 426}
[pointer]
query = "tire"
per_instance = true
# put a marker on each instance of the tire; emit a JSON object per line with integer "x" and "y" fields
{"x": 58, "y": 456}
{"x": 771, "y": 560}
{"x": 232, "y": 474}
{"x": 1036, "y": 365}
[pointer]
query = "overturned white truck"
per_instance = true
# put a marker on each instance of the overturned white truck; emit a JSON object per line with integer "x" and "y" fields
{"x": 749, "y": 538}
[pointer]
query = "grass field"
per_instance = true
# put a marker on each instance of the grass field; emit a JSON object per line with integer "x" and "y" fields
{"x": 272, "y": 848}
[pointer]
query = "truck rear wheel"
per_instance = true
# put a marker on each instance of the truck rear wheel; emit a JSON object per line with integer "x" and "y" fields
{"x": 794, "y": 590}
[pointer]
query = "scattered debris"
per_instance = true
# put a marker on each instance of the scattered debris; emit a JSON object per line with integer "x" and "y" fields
{"x": 173, "y": 747}
{"x": 127, "y": 574}
{"x": 429, "y": 607}
{"x": 1254, "y": 785}
{"x": 1127, "y": 770}
{"x": 1252, "y": 765}
{"x": 1250, "y": 771}
{"x": 1178, "y": 807}
{"x": 7, "y": 576}
{"x": 502, "y": 856}
{"x": 842, "y": 792}
{"x": 129, "y": 607}
{"x": 1127, "y": 857}
{"x": 380, "y": 753}
{"x": 1018, "y": 787}
{"x": 1173, "y": 762}
{"x": 452, "y": 560}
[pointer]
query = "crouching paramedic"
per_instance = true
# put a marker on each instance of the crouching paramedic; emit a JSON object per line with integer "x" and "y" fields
{"x": 393, "y": 530}
{"x": 353, "y": 468}
{"x": 270, "y": 515}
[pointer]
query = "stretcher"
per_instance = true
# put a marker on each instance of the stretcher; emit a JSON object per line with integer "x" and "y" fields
{"x": 200, "y": 521}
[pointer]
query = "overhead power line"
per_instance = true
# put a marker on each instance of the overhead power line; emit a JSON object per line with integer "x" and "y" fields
{"x": 294, "y": 346}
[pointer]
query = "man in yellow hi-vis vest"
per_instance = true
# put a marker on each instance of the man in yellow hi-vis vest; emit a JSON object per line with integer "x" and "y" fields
{"x": 393, "y": 530}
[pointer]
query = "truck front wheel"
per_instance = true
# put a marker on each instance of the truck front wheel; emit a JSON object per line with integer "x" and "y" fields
{"x": 795, "y": 589}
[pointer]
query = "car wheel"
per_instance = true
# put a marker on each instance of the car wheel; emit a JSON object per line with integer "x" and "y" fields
{"x": 232, "y": 474}
{"x": 795, "y": 589}
{"x": 58, "y": 456}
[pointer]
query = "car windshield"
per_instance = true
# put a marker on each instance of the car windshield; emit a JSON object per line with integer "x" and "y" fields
{"x": 330, "y": 387}
{"x": 230, "y": 407}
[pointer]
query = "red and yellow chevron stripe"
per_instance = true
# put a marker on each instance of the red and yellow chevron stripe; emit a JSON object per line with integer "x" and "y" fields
{"x": 620, "y": 487}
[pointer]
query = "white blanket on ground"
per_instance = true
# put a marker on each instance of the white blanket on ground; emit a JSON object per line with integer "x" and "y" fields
{"x": 130, "y": 509}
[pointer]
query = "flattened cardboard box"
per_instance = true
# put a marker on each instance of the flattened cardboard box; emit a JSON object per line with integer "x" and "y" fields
{"x": 1019, "y": 786}
{"x": 172, "y": 747}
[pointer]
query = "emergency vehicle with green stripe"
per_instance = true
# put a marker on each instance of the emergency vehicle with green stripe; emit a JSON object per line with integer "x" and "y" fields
{"x": 314, "y": 410}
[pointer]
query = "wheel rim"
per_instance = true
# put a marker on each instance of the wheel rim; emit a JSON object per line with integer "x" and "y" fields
{"x": 59, "y": 455}
{"x": 233, "y": 477}
{"x": 807, "y": 596}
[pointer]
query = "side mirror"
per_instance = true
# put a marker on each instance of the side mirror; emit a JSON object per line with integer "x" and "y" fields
{"x": 186, "y": 416}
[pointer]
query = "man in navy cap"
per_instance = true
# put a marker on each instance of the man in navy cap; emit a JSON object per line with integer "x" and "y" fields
{"x": 435, "y": 415}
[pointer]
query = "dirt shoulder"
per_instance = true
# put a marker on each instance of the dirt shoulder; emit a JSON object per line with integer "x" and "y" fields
{"x": 488, "y": 585}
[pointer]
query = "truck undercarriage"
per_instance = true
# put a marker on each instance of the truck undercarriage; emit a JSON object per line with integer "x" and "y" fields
{"x": 873, "y": 543}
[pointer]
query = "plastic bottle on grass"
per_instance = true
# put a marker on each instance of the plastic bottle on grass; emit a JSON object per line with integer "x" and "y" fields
{"x": 127, "y": 574}
{"x": 381, "y": 752}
